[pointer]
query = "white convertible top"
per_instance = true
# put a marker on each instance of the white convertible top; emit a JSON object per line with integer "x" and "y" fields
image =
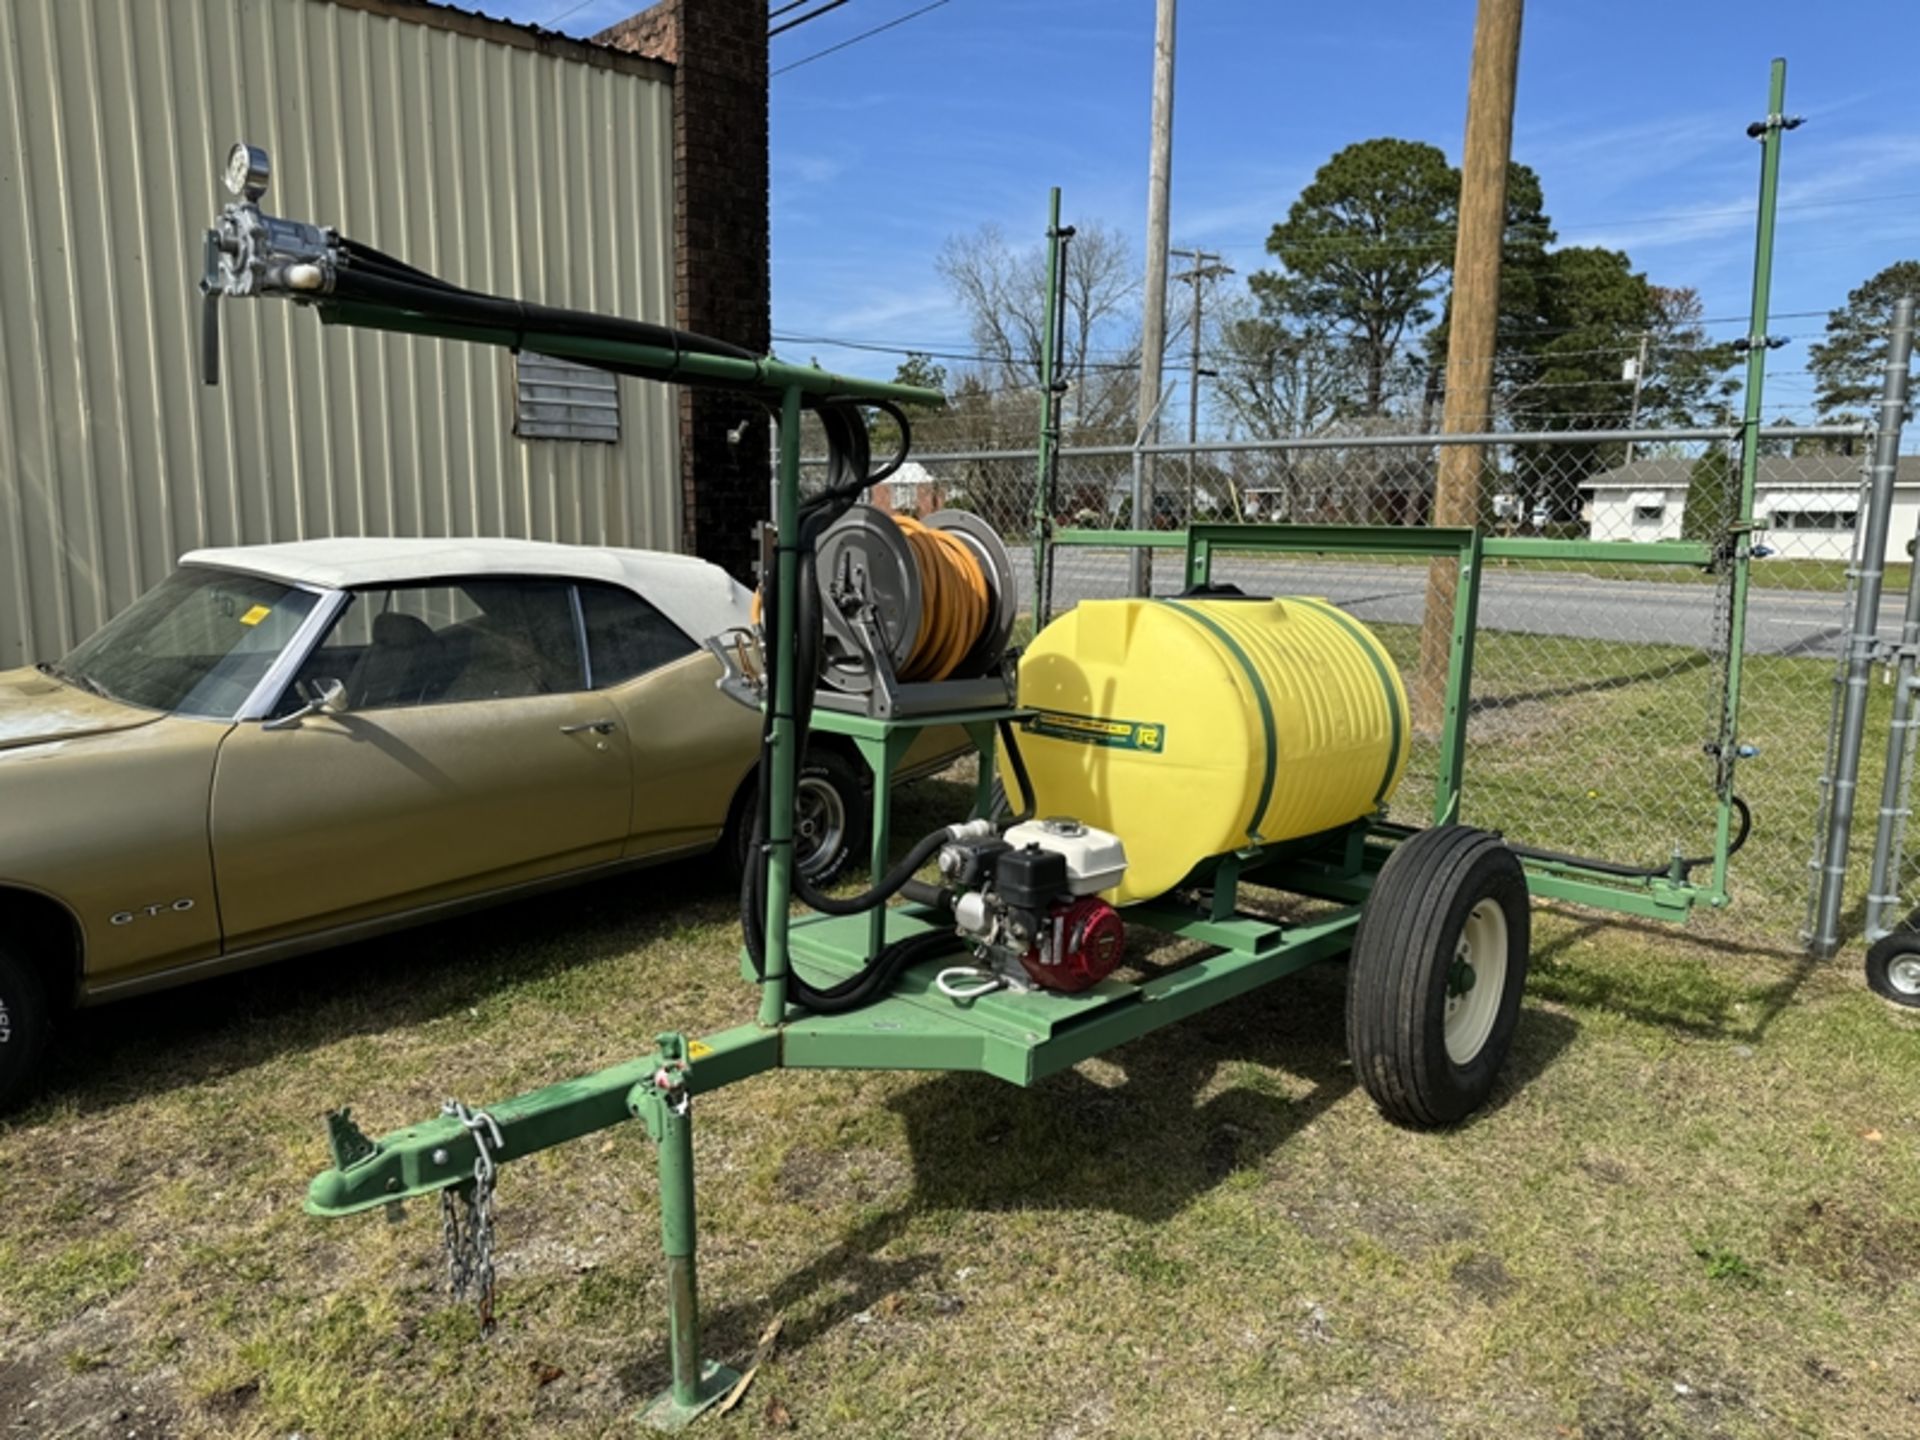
{"x": 699, "y": 597}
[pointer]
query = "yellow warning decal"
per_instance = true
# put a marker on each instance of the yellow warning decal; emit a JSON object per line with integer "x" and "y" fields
{"x": 1099, "y": 730}
{"x": 256, "y": 615}
{"x": 698, "y": 1050}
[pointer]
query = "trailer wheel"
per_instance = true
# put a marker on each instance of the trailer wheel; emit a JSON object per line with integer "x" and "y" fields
{"x": 1439, "y": 964}
{"x": 1893, "y": 968}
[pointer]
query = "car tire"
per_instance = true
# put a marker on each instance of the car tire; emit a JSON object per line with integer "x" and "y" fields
{"x": 832, "y": 800}
{"x": 1439, "y": 965}
{"x": 26, "y": 1024}
{"x": 831, "y": 816}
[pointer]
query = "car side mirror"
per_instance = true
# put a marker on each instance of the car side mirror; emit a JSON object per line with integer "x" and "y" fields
{"x": 318, "y": 697}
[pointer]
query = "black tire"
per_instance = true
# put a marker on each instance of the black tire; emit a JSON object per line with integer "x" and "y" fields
{"x": 832, "y": 819}
{"x": 1412, "y": 937}
{"x": 1893, "y": 968}
{"x": 830, "y": 782}
{"x": 26, "y": 1024}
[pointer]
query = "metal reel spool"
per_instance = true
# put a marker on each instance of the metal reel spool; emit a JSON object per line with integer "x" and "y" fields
{"x": 866, "y": 546}
{"x": 997, "y": 565}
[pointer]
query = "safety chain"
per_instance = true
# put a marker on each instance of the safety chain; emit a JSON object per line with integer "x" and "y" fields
{"x": 466, "y": 1215}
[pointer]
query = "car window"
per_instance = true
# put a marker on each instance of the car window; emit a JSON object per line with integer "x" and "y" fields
{"x": 626, "y": 636}
{"x": 196, "y": 644}
{"x": 447, "y": 643}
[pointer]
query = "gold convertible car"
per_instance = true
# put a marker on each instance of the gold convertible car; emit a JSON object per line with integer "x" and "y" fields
{"x": 285, "y": 747}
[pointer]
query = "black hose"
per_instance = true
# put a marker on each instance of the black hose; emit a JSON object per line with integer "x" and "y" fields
{"x": 846, "y": 438}
{"x": 377, "y": 282}
{"x": 1019, "y": 765}
{"x": 883, "y": 889}
{"x": 1681, "y": 868}
{"x": 935, "y": 897}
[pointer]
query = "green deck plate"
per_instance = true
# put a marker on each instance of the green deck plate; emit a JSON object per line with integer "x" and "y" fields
{"x": 1020, "y": 1037}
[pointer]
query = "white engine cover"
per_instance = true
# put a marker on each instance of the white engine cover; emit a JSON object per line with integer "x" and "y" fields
{"x": 1095, "y": 859}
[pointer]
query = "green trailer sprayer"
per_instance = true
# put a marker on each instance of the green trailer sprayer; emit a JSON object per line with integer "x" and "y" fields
{"x": 1143, "y": 763}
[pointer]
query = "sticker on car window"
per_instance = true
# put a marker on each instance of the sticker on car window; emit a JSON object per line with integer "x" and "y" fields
{"x": 256, "y": 615}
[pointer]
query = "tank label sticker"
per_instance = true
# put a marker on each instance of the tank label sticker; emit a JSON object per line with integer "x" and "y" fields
{"x": 1145, "y": 735}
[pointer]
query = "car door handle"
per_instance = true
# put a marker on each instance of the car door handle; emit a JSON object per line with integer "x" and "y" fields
{"x": 598, "y": 727}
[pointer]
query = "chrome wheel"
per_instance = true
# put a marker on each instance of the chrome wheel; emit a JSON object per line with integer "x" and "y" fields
{"x": 1476, "y": 981}
{"x": 819, "y": 825}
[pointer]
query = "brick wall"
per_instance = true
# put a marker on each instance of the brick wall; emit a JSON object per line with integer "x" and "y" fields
{"x": 722, "y": 286}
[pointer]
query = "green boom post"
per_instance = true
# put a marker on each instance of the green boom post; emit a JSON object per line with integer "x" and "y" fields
{"x": 1740, "y": 531}
{"x": 1049, "y": 421}
{"x": 773, "y": 993}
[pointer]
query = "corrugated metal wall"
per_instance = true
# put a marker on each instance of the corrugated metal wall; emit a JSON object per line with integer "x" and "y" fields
{"x": 494, "y": 166}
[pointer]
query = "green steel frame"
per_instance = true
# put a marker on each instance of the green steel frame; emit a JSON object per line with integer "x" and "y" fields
{"x": 1021, "y": 1038}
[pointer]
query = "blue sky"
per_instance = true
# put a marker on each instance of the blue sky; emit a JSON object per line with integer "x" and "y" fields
{"x": 1632, "y": 112}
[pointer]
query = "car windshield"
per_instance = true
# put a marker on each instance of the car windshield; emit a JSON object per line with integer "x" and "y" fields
{"x": 196, "y": 644}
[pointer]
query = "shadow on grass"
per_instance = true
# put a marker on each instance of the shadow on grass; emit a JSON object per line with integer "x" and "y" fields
{"x": 216, "y": 1028}
{"x": 106, "y": 1057}
{"x": 1189, "y": 1107}
{"x": 1696, "y": 999}
{"x": 1592, "y": 685}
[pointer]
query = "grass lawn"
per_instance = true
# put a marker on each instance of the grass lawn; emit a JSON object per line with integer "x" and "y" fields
{"x": 1692, "y": 1210}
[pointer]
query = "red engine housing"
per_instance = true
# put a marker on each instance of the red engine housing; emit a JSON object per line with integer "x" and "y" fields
{"x": 1088, "y": 941}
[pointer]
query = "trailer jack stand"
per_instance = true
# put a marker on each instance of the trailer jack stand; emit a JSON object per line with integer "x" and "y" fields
{"x": 666, "y": 1105}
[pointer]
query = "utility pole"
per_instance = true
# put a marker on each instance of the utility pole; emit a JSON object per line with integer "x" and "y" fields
{"x": 1474, "y": 329}
{"x": 1639, "y": 378}
{"x": 1153, "y": 324}
{"x": 1206, "y": 266}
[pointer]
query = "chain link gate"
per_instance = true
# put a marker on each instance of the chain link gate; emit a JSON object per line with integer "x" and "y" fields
{"x": 1600, "y": 683}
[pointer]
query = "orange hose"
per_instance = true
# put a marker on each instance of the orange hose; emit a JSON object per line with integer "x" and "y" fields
{"x": 956, "y": 603}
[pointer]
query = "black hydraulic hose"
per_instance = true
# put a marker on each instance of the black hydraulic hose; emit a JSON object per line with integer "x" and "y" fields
{"x": 880, "y": 973}
{"x": 375, "y": 284}
{"x": 934, "y": 897}
{"x": 1685, "y": 865}
{"x": 883, "y": 889}
{"x": 1012, "y": 745}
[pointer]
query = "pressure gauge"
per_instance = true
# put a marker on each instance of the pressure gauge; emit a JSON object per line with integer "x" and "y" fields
{"x": 247, "y": 171}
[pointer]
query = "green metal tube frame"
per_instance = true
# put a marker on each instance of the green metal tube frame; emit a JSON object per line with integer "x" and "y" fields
{"x": 660, "y": 1088}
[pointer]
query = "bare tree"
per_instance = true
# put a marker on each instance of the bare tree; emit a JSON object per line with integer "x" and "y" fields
{"x": 1277, "y": 377}
{"x": 1004, "y": 291}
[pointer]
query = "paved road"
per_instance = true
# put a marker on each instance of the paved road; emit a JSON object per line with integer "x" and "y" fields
{"x": 1584, "y": 607}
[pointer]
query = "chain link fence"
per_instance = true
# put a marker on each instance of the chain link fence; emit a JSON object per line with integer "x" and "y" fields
{"x": 1598, "y": 683}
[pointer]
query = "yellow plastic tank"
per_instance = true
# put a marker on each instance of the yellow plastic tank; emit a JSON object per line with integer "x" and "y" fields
{"x": 1195, "y": 727}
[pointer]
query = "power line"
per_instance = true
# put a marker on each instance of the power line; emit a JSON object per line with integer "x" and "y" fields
{"x": 554, "y": 20}
{"x": 796, "y": 24}
{"x": 855, "y": 40}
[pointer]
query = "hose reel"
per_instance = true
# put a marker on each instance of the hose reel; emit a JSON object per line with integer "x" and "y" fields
{"x": 918, "y": 614}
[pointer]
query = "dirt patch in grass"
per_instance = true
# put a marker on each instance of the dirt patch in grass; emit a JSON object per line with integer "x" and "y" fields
{"x": 1850, "y": 1243}
{"x": 82, "y": 1381}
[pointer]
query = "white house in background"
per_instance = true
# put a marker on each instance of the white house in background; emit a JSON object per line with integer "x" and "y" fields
{"x": 910, "y": 491}
{"x": 1810, "y": 504}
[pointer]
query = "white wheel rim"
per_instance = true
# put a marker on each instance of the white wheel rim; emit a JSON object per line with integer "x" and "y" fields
{"x": 1904, "y": 975}
{"x": 1476, "y": 981}
{"x": 820, "y": 825}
